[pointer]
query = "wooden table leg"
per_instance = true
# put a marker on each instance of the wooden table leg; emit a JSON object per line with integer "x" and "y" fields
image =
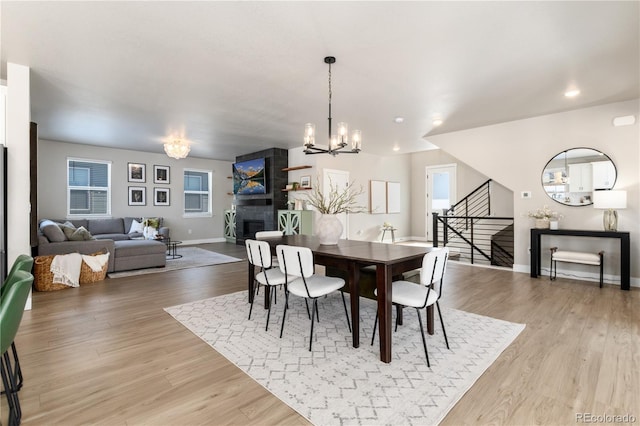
{"x": 383, "y": 285}
{"x": 430, "y": 328}
{"x": 354, "y": 296}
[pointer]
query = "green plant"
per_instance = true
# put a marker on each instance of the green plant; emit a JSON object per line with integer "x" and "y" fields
{"x": 336, "y": 201}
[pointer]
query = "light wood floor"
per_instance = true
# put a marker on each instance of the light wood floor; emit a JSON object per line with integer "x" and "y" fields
{"x": 108, "y": 354}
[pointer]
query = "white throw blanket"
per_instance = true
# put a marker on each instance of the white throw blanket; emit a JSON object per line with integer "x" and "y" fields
{"x": 66, "y": 269}
{"x": 97, "y": 262}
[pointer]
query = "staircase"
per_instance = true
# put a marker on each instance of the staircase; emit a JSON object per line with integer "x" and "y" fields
{"x": 470, "y": 231}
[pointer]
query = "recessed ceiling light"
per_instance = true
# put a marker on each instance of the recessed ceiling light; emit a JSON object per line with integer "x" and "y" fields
{"x": 437, "y": 121}
{"x": 396, "y": 148}
{"x": 399, "y": 120}
{"x": 572, "y": 93}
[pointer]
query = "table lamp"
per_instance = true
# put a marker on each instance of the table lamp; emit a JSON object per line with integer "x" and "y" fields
{"x": 610, "y": 200}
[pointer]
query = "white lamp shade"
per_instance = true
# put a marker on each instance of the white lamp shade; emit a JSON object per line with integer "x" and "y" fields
{"x": 610, "y": 199}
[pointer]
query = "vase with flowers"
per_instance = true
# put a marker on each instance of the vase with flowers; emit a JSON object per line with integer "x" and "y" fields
{"x": 544, "y": 217}
{"x": 330, "y": 204}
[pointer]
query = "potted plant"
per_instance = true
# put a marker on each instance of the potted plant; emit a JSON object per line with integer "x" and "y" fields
{"x": 331, "y": 203}
{"x": 544, "y": 216}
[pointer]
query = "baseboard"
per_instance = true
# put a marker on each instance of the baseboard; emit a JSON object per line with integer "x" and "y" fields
{"x": 575, "y": 275}
{"x": 204, "y": 241}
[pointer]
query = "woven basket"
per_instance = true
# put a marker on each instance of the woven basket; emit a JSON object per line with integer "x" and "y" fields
{"x": 88, "y": 276}
{"x": 43, "y": 277}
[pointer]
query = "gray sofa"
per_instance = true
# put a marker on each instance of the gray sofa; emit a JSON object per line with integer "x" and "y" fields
{"x": 127, "y": 250}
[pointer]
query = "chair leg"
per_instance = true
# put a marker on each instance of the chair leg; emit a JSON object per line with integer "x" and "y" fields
{"x": 307, "y": 305}
{"x": 375, "y": 325}
{"x": 442, "y": 324}
{"x": 424, "y": 341}
{"x": 271, "y": 296}
{"x": 284, "y": 316}
{"x": 344, "y": 303}
{"x": 315, "y": 308}
{"x": 251, "y": 308}
{"x": 17, "y": 370}
{"x": 15, "y": 412}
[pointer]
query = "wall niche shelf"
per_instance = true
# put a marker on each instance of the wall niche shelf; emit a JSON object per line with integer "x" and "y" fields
{"x": 288, "y": 169}
{"x": 299, "y": 189}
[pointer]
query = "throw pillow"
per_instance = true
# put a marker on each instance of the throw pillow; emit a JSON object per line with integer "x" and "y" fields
{"x": 136, "y": 227}
{"x": 52, "y": 231}
{"x": 68, "y": 229}
{"x": 81, "y": 234}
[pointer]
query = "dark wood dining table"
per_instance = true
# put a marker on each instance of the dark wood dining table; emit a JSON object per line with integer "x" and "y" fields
{"x": 390, "y": 260}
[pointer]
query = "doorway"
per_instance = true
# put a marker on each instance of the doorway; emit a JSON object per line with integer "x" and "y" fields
{"x": 440, "y": 194}
{"x": 339, "y": 179}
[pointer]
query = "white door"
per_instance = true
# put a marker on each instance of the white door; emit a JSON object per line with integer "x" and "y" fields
{"x": 339, "y": 179}
{"x": 441, "y": 192}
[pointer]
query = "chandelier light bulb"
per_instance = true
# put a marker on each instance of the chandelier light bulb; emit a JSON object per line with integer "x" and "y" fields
{"x": 337, "y": 141}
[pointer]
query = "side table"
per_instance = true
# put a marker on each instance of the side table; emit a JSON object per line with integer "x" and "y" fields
{"x": 390, "y": 229}
{"x": 172, "y": 249}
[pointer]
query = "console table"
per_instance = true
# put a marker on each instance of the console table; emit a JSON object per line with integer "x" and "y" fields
{"x": 625, "y": 249}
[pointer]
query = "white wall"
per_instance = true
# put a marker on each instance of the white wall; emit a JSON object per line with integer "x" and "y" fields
{"x": 467, "y": 180}
{"x": 52, "y": 196}
{"x": 18, "y": 113}
{"x": 362, "y": 168}
{"x": 529, "y": 144}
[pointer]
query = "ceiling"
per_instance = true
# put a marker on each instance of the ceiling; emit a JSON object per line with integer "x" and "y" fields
{"x": 237, "y": 77}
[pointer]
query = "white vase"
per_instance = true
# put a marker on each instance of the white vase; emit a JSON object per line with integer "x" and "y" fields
{"x": 329, "y": 229}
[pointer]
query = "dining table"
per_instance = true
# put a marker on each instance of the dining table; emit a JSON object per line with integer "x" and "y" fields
{"x": 389, "y": 260}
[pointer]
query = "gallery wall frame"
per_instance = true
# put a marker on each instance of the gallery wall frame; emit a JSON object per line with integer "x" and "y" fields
{"x": 161, "y": 197}
{"x": 136, "y": 172}
{"x": 161, "y": 174}
{"x": 137, "y": 196}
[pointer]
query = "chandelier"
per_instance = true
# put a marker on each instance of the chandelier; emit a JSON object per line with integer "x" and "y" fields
{"x": 337, "y": 142}
{"x": 177, "y": 148}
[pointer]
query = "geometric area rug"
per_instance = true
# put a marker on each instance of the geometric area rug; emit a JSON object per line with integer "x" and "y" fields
{"x": 192, "y": 257}
{"x": 337, "y": 384}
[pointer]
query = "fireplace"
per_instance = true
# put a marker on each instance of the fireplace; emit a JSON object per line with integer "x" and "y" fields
{"x": 250, "y": 227}
{"x": 259, "y": 212}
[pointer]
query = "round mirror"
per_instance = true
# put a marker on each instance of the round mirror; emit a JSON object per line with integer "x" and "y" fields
{"x": 571, "y": 176}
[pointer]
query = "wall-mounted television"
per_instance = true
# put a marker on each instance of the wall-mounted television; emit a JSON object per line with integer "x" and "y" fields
{"x": 249, "y": 177}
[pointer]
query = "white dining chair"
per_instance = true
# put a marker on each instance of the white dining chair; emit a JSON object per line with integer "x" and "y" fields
{"x": 260, "y": 235}
{"x": 297, "y": 262}
{"x": 423, "y": 295}
{"x": 259, "y": 255}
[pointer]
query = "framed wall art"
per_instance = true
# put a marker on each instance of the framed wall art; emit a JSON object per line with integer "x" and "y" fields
{"x": 377, "y": 197}
{"x": 161, "y": 197}
{"x": 305, "y": 182}
{"x": 161, "y": 174}
{"x": 137, "y": 196}
{"x": 136, "y": 172}
{"x": 393, "y": 197}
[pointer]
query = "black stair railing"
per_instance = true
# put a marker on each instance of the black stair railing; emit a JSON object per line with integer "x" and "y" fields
{"x": 486, "y": 239}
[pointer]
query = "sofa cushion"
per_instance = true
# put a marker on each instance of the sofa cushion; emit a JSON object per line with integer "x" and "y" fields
{"x": 114, "y": 237}
{"x": 106, "y": 226}
{"x": 128, "y": 221}
{"x": 135, "y": 227}
{"x": 68, "y": 229}
{"x": 139, "y": 247}
{"x": 81, "y": 234}
{"x": 52, "y": 231}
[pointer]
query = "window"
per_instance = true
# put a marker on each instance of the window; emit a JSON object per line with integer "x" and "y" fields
{"x": 88, "y": 187}
{"x": 197, "y": 193}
